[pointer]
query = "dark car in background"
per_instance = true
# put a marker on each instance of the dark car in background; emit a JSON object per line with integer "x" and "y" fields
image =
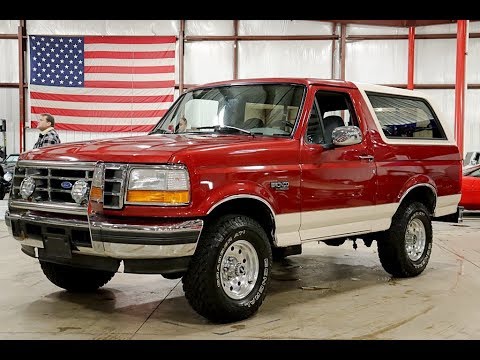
{"x": 6, "y": 174}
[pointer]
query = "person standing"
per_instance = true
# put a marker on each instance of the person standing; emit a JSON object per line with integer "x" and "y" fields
{"x": 48, "y": 135}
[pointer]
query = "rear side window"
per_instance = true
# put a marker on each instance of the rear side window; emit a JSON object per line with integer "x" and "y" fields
{"x": 405, "y": 117}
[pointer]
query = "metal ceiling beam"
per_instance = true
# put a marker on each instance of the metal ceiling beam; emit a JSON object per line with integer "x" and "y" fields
{"x": 394, "y": 23}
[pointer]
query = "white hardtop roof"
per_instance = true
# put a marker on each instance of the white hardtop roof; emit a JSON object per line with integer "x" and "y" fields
{"x": 389, "y": 90}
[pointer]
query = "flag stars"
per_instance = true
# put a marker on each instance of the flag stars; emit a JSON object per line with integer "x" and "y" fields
{"x": 57, "y": 61}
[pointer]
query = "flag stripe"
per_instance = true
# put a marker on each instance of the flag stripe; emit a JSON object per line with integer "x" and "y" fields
{"x": 129, "y": 39}
{"x": 128, "y": 47}
{"x": 95, "y": 91}
{"x": 102, "y": 106}
{"x": 130, "y": 62}
{"x": 101, "y": 128}
{"x": 129, "y": 54}
{"x": 106, "y": 120}
{"x": 129, "y": 77}
{"x": 130, "y": 69}
{"x": 98, "y": 113}
{"x": 100, "y": 98}
{"x": 128, "y": 84}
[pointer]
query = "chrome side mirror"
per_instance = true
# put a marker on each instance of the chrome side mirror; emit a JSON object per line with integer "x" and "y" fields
{"x": 346, "y": 135}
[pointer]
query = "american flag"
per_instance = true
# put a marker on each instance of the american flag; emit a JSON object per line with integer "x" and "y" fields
{"x": 101, "y": 83}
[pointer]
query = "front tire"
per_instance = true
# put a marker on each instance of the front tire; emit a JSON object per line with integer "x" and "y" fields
{"x": 75, "y": 279}
{"x": 406, "y": 248}
{"x": 229, "y": 273}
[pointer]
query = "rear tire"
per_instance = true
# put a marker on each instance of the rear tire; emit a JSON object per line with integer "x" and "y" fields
{"x": 75, "y": 279}
{"x": 406, "y": 247}
{"x": 229, "y": 273}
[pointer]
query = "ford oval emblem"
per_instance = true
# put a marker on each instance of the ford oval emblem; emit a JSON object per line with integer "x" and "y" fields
{"x": 66, "y": 184}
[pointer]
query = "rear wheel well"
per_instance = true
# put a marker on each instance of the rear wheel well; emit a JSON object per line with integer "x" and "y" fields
{"x": 252, "y": 208}
{"x": 422, "y": 194}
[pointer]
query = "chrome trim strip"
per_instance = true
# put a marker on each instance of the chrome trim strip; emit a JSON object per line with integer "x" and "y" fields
{"x": 190, "y": 225}
{"x": 47, "y": 220}
{"x": 233, "y": 197}
{"x": 67, "y": 208}
{"x": 76, "y": 165}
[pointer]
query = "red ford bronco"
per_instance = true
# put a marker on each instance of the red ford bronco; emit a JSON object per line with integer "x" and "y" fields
{"x": 235, "y": 174}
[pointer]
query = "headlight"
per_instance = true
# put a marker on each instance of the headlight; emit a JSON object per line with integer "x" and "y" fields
{"x": 27, "y": 187}
{"x": 7, "y": 177}
{"x": 158, "y": 186}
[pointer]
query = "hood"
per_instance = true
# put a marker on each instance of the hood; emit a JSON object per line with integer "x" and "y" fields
{"x": 156, "y": 148}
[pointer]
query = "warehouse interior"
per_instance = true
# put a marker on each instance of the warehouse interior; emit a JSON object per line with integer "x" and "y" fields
{"x": 324, "y": 293}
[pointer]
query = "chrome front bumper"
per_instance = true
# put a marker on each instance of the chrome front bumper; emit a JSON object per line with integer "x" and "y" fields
{"x": 107, "y": 239}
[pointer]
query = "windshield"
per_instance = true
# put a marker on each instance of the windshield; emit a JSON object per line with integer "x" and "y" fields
{"x": 264, "y": 109}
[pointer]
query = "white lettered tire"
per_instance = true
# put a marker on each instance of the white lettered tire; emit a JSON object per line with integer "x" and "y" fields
{"x": 405, "y": 249}
{"x": 229, "y": 273}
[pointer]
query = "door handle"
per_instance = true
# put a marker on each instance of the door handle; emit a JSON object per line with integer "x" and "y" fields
{"x": 366, "y": 157}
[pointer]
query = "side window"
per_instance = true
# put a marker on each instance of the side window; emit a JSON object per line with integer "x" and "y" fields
{"x": 331, "y": 110}
{"x": 404, "y": 117}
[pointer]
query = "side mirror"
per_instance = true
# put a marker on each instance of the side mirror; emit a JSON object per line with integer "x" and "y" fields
{"x": 346, "y": 135}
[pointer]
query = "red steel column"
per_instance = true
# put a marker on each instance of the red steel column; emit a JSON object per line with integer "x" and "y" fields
{"x": 411, "y": 56}
{"x": 460, "y": 83}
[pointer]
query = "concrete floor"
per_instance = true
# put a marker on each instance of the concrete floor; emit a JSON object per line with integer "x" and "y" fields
{"x": 324, "y": 293}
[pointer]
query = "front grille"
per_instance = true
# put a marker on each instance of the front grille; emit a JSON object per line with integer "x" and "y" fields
{"x": 49, "y": 177}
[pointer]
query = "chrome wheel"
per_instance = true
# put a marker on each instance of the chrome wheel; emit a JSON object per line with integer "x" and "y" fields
{"x": 239, "y": 269}
{"x": 415, "y": 239}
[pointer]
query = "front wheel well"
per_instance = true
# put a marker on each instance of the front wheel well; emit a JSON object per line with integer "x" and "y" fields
{"x": 252, "y": 208}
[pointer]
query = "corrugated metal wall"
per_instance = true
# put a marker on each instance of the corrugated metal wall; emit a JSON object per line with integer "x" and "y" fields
{"x": 374, "y": 61}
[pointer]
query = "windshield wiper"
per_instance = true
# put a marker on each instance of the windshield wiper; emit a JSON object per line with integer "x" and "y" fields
{"x": 159, "y": 131}
{"x": 223, "y": 127}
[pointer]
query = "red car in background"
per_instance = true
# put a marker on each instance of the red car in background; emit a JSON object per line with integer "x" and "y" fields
{"x": 471, "y": 188}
